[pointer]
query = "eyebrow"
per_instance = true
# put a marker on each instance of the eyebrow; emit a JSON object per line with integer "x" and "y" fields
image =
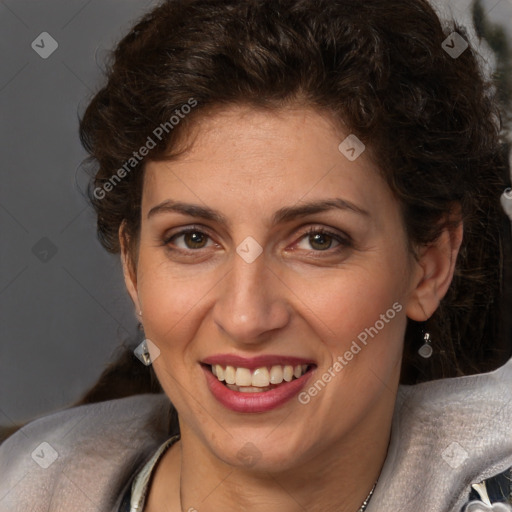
{"x": 286, "y": 214}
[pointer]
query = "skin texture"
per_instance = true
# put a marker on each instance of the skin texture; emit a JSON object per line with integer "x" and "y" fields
{"x": 305, "y": 296}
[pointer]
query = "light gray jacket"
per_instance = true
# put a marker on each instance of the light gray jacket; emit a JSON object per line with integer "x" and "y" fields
{"x": 446, "y": 435}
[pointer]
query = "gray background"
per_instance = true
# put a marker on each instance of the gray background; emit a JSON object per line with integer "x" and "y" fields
{"x": 63, "y": 306}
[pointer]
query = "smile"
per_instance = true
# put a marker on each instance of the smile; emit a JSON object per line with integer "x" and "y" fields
{"x": 256, "y": 385}
{"x": 259, "y": 380}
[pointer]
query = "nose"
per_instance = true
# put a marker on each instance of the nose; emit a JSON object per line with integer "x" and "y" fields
{"x": 251, "y": 302}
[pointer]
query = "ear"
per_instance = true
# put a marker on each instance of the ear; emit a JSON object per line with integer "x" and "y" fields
{"x": 434, "y": 271}
{"x": 129, "y": 272}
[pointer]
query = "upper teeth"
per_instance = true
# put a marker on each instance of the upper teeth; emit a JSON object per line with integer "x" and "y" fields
{"x": 260, "y": 377}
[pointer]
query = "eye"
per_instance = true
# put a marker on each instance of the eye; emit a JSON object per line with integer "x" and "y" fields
{"x": 192, "y": 239}
{"x": 319, "y": 239}
{"x": 322, "y": 240}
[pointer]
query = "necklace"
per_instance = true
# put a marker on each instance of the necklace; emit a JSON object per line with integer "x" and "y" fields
{"x": 362, "y": 508}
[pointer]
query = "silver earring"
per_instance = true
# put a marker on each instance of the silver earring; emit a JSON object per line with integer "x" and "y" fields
{"x": 426, "y": 350}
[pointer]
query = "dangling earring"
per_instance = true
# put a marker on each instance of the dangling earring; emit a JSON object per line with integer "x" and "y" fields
{"x": 142, "y": 350}
{"x": 140, "y": 327}
{"x": 425, "y": 350}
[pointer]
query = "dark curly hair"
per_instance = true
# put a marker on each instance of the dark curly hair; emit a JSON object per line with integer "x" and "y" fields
{"x": 381, "y": 68}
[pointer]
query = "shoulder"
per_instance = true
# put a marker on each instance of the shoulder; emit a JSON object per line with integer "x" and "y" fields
{"x": 448, "y": 435}
{"x": 83, "y": 455}
{"x": 475, "y": 409}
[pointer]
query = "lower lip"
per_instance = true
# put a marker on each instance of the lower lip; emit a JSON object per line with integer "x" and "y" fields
{"x": 255, "y": 402}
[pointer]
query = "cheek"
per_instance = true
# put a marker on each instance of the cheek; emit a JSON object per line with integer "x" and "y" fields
{"x": 344, "y": 304}
{"x": 360, "y": 319}
{"x": 169, "y": 301}
{"x": 172, "y": 305}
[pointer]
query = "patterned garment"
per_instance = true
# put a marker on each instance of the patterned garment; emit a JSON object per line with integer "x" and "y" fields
{"x": 491, "y": 495}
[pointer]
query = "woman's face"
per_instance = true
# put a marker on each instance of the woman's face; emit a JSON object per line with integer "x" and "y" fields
{"x": 261, "y": 247}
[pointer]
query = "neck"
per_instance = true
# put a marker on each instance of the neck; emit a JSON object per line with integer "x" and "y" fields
{"x": 336, "y": 479}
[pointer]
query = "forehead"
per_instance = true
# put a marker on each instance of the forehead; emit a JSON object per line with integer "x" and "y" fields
{"x": 262, "y": 157}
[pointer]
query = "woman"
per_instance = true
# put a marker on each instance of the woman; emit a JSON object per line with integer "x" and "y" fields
{"x": 306, "y": 199}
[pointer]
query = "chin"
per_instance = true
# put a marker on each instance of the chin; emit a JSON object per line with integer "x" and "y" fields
{"x": 256, "y": 451}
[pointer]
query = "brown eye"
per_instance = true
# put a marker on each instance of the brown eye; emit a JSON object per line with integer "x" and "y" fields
{"x": 192, "y": 239}
{"x": 320, "y": 240}
{"x": 195, "y": 240}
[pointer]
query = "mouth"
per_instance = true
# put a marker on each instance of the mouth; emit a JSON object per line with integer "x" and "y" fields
{"x": 256, "y": 385}
{"x": 258, "y": 380}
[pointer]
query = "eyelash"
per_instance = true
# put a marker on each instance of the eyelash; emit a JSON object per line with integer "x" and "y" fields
{"x": 343, "y": 241}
